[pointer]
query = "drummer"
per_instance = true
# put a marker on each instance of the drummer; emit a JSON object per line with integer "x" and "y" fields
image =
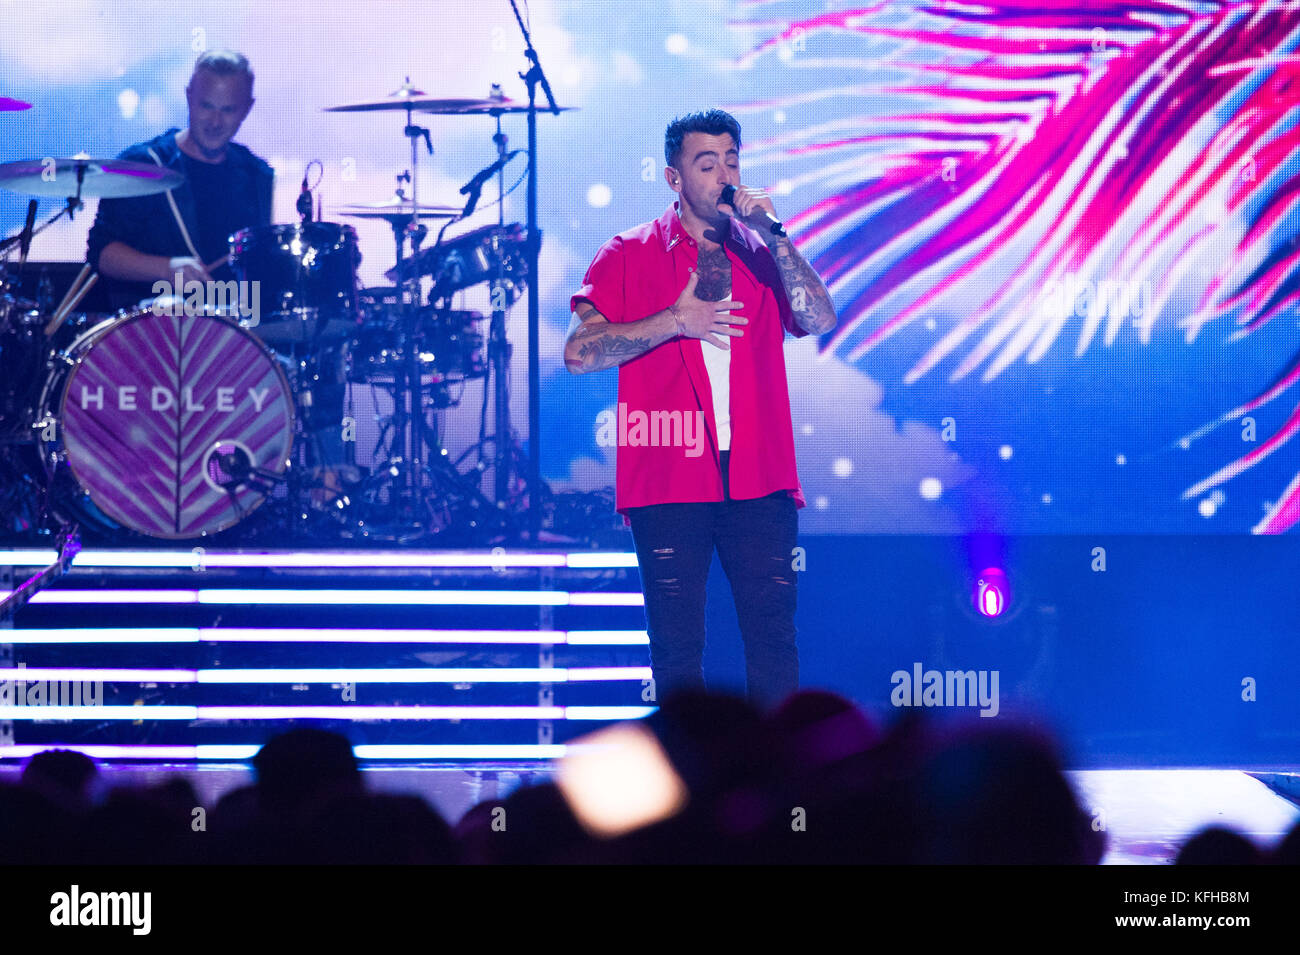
{"x": 137, "y": 242}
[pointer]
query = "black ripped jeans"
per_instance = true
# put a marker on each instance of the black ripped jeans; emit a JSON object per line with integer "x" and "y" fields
{"x": 755, "y": 540}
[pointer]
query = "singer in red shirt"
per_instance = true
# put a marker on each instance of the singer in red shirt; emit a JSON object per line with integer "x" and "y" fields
{"x": 693, "y": 308}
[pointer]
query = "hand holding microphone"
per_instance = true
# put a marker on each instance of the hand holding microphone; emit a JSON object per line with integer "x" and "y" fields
{"x": 753, "y": 207}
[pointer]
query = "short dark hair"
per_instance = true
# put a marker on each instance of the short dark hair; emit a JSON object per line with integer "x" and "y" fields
{"x": 714, "y": 122}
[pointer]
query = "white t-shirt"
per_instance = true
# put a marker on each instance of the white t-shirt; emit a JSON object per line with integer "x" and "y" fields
{"x": 718, "y": 364}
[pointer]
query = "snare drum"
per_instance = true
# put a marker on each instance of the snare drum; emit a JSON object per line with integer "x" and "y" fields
{"x": 173, "y": 426}
{"x": 307, "y": 280}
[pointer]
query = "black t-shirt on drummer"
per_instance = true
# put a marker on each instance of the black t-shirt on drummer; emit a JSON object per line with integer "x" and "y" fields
{"x": 222, "y": 206}
{"x": 212, "y": 202}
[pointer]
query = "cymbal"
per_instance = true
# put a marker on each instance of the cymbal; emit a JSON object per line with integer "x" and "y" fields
{"x": 421, "y": 104}
{"x": 395, "y": 210}
{"x": 405, "y": 96}
{"x": 8, "y": 105}
{"x": 492, "y": 107}
{"x": 101, "y": 178}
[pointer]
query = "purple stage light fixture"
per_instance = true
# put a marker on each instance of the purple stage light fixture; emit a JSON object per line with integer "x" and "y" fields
{"x": 991, "y": 593}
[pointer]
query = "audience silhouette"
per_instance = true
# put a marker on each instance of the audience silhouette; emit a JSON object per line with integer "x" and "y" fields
{"x": 813, "y": 781}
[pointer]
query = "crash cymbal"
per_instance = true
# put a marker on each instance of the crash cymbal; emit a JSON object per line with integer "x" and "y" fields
{"x": 421, "y": 104}
{"x": 407, "y": 96}
{"x": 99, "y": 178}
{"x": 8, "y": 105}
{"x": 395, "y": 210}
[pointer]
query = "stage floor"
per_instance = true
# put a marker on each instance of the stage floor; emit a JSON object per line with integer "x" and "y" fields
{"x": 1147, "y": 813}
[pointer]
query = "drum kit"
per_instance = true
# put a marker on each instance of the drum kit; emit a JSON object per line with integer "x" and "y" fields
{"x": 179, "y": 418}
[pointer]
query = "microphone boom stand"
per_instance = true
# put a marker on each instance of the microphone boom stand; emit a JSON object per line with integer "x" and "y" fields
{"x": 533, "y": 77}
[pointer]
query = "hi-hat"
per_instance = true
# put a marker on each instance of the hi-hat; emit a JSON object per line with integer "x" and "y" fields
{"x": 86, "y": 177}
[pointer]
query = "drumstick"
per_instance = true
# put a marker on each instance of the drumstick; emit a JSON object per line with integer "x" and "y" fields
{"x": 59, "y": 316}
{"x": 70, "y": 298}
{"x": 76, "y": 283}
{"x": 224, "y": 260}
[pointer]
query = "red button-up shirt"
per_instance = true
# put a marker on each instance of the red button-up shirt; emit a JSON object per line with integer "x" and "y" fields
{"x": 641, "y": 272}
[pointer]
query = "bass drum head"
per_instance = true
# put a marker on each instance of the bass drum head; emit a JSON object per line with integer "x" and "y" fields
{"x": 173, "y": 426}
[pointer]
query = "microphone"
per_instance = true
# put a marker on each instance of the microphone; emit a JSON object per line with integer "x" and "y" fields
{"x": 729, "y": 195}
{"x": 475, "y": 190}
{"x": 233, "y": 469}
{"x": 25, "y": 241}
{"x": 486, "y": 174}
{"x": 304, "y": 200}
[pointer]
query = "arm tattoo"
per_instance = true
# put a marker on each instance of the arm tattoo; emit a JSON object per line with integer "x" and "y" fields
{"x": 811, "y": 304}
{"x": 602, "y": 345}
{"x": 606, "y": 348}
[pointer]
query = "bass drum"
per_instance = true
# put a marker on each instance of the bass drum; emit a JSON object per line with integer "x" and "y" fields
{"x": 174, "y": 427}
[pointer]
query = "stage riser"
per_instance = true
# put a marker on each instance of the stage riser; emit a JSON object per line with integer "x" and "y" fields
{"x": 501, "y": 618}
{"x": 1140, "y": 664}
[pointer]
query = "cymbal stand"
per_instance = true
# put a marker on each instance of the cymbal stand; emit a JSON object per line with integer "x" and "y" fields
{"x": 408, "y": 405}
{"x": 499, "y": 347}
{"x": 71, "y": 205}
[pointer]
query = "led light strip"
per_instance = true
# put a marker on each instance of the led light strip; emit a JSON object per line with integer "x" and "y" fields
{"x": 113, "y": 596}
{"x": 331, "y": 675}
{"x": 103, "y": 674}
{"x": 28, "y": 558}
{"x": 343, "y": 712}
{"x": 199, "y": 559}
{"x": 636, "y": 599}
{"x": 118, "y": 635}
{"x": 385, "y": 598}
{"x": 430, "y": 751}
{"x": 607, "y": 638}
{"x": 596, "y": 560}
